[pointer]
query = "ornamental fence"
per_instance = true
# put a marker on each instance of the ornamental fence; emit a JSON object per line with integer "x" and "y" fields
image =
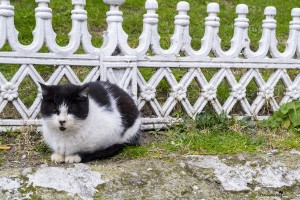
{"x": 166, "y": 83}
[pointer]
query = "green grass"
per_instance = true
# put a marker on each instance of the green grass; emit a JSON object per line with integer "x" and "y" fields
{"x": 187, "y": 139}
{"x": 291, "y": 142}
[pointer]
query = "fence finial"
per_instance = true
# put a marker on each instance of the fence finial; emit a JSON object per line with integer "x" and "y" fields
{"x": 212, "y": 20}
{"x": 270, "y": 11}
{"x": 151, "y": 17}
{"x": 241, "y": 21}
{"x": 114, "y": 15}
{"x": 213, "y": 8}
{"x": 296, "y": 12}
{"x": 79, "y": 2}
{"x": 43, "y": 11}
{"x": 182, "y": 18}
{"x": 241, "y": 9}
{"x": 78, "y": 13}
{"x": 183, "y": 6}
{"x": 114, "y": 2}
{"x": 5, "y": 2}
{"x": 295, "y": 23}
{"x": 151, "y": 5}
{"x": 6, "y": 9}
{"x": 269, "y": 22}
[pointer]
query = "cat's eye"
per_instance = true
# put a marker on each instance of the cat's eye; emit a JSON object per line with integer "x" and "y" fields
{"x": 72, "y": 108}
{"x": 55, "y": 110}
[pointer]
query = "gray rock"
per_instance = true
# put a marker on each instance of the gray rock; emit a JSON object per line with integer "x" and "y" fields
{"x": 257, "y": 189}
{"x": 9, "y": 184}
{"x": 232, "y": 178}
{"x": 78, "y": 180}
{"x": 238, "y": 177}
{"x": 294, "y": 152}
{"x": 26, "y": 171}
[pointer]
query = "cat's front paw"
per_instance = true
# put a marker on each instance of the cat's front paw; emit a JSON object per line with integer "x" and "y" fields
{"x": 73, "y": 158}
{"x": 57, "y": 158}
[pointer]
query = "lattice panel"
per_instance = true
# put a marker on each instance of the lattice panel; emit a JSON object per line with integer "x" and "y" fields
{"x": 11, "y": 89}
{"x": 178, "y": 91}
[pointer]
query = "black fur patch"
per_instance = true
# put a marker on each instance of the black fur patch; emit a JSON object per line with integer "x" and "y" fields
{"x": 69, "y": 94}
{"x": 102, "y": 154}
{"x": 126, "y": 106}
{"x": 98, "y": 92}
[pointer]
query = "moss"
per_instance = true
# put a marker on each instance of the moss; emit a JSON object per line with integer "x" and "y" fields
{"x": 28, "y": 189}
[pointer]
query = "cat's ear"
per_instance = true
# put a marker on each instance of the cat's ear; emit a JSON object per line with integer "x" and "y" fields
{"x": 45, "y": 89}
{"x": 84, "y": 90}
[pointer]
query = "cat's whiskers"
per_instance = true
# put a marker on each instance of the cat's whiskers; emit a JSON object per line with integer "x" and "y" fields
{"x": 80, "y": 126}
{"x": 80, "y": 133}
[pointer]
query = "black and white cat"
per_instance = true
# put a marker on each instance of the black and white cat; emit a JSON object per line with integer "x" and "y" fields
{"x": 92, "y": 121}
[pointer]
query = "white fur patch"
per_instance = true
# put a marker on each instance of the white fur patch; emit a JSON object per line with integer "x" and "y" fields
{"x": 72, "y": 159}
{"x": 54, "y": 121}
{"x": 57, "y": 158}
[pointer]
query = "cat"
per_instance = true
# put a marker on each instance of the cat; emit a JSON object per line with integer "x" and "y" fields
{"x": 81, "y": 123}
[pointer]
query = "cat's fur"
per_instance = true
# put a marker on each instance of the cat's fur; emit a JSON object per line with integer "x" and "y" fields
{"x": 92, "y": 121}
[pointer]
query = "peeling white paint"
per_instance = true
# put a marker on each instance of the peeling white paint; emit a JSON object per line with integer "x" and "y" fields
{"x": 238, "y": 177}
{"x": 232, "y": 178}
{"x": 78, "y": 180}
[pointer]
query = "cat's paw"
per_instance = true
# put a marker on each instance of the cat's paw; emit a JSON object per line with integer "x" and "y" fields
{"x": 57, "y": 158}
{"x": 72, "y": 159}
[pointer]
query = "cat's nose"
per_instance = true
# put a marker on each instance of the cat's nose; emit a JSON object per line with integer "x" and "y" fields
{"x": 62, "y": 122}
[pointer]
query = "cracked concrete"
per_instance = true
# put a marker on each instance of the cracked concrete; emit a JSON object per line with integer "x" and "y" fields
{"x": 273, "y": 175}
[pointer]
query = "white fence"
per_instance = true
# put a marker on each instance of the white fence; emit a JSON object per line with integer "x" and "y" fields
{"x": 117, "y": 62}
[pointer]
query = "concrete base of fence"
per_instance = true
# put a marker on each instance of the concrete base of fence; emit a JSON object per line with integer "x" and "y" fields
{"x": 270, "y": 175}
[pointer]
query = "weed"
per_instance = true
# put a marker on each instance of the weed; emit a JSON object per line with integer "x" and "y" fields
{"x": 42, "y": 148}
{"x": 248, "y": 125}
{"x": 210, "y": 119}
{"x": 288, "y": 117}
{"x": 7, "y": 135}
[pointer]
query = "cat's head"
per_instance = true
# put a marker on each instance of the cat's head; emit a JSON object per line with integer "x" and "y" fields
{"x": 64, "y": 106}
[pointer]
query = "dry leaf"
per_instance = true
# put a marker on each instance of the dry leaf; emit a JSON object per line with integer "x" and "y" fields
{"x": 4, "y": 147}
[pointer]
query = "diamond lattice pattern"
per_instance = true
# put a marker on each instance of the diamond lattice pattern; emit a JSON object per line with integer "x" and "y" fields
{"x": 237, "y": 97}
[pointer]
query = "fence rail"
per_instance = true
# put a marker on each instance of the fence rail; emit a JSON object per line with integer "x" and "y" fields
{"x": 117, "y": 62}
